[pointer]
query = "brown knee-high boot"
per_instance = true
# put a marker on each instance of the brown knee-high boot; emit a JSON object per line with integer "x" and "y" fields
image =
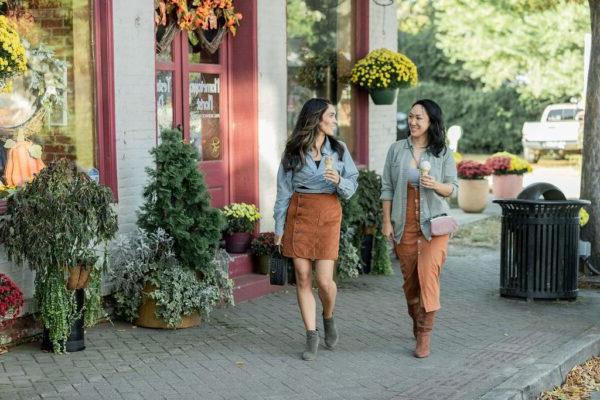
{"x": 425, "y": 325}
{"x": 413, "y": 311}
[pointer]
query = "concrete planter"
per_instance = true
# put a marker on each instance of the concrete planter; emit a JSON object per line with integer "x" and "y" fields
{"x": 472, "y": 195}
{"x": 507, "y": 186}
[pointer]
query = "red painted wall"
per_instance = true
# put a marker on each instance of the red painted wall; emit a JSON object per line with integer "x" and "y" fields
{"x": 243, "y": 115}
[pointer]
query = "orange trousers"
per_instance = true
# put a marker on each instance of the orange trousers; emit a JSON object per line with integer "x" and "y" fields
{"x": 421, "y": 261}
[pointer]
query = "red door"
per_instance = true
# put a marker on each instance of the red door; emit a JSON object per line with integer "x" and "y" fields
{"x": 191, "y": 95}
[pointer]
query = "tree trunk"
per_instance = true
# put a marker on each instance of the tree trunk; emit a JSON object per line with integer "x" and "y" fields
{"x": 590, "y": 174}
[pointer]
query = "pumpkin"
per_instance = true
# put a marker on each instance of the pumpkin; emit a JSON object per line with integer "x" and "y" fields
{"x": 23, "y": 161}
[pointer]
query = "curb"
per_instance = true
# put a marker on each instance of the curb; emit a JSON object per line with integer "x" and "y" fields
{"x": 549, "y": 371}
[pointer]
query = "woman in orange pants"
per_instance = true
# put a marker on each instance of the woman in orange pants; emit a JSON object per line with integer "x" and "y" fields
{"x": 419, "y": 172}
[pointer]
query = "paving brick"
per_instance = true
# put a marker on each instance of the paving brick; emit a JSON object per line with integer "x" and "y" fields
{"x": 480, "y": 343}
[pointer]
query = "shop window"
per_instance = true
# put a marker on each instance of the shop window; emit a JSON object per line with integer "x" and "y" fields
{"x": 320, "y": 55}
{"x": 53, "y": 104}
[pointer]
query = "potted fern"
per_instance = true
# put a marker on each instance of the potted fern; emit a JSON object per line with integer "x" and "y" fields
{"x": 55, "y": 224}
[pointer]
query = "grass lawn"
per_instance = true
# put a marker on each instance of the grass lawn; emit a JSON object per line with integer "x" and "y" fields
{"x": 485, "y": 233}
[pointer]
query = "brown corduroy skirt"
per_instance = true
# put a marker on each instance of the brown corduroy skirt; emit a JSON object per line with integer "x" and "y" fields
{"x": 312, "y": 227}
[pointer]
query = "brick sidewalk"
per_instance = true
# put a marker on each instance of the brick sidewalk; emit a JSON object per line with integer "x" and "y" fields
{"x": 252, "y": 351}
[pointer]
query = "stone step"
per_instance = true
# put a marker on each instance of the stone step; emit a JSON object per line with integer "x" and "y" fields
{"x": 250, "y": 286}
{"x": 241, "y": 264}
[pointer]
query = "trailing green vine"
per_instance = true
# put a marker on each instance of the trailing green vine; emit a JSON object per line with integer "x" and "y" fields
{"x": 56, "y": 306}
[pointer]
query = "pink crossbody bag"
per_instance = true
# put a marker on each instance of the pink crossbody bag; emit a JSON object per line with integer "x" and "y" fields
{"x": 443, "y": 225}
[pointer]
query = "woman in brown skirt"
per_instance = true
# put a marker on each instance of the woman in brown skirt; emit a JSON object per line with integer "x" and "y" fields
{"x": 419, "y": 172}
{"x": 315, "y": 169}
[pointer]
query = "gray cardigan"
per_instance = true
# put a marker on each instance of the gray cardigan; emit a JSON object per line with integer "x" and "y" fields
{"x": 395, "y": 179}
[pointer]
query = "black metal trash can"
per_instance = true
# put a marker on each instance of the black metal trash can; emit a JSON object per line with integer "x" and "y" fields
{"x": 539, "y": 244}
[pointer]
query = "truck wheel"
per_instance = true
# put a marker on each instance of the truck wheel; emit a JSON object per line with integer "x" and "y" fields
{"x": 531, "y": 155}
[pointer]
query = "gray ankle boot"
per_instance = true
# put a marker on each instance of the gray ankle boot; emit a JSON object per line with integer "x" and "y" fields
{"x": 331, "y": 335}
{"x": 312, "y": 344}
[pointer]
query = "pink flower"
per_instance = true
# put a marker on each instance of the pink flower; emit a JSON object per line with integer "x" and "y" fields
{"x": 472, "y": 170}
{"x": 11, "y": 301}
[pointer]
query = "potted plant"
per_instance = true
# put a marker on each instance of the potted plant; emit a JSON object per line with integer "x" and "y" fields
{"x": 507, "y": 170}
{"x": 241, "y": 220}
{"x": 326, "y": 73}
{"x": 473, "y": 187}
{"x": 263, "y": 246}
{"x": 152, "y": 288}
{"x": 11, "y": 301}
{"x": 382, "y": 72}
{"x": 205, "y": 21}
{"x": 177, "y": 202}
{"x": 367, "y": 222}
{"x": 55, "y": 224}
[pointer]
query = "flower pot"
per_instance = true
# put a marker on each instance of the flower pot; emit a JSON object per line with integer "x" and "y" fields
{"x": 264, "y": 264}
{"x": 384, "y": 96}
{"x": 238, "y": 242}
{"x": 76, "y": 340}
{"x": 78, "y": 277}
{"x": 147, "y": 315}
{"x": 507, "y": 186}
{"x": 472, "y": 195}
{"x": 366, "y": 251}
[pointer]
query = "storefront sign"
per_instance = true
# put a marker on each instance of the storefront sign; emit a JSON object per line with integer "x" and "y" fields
{"x": 205, "y": 95}
{"x": 164, "y": 89}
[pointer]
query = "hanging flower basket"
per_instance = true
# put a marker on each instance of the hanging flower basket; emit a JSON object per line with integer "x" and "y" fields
{"x": 382, "y": 72}
{"x": 206, "y": 21}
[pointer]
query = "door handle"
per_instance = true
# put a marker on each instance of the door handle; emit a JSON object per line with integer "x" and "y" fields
{"x": 179, "y": 127}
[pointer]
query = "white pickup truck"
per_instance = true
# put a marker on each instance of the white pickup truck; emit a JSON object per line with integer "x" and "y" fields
{"x": 559, "y": 130}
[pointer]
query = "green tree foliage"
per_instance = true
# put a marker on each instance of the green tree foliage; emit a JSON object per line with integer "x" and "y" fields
{"x": 475, "y": 59}
{"x": 539, "y": 46}
{"x": 491, "y": 120}
{"x": 177, "y": 200}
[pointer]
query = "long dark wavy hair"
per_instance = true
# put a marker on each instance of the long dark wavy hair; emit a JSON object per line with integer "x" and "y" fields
{"x": 436, "y": 132}
{"x": 304, "y": 134}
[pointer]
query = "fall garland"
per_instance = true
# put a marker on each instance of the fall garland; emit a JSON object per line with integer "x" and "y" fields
{"x": 195, "y": 17}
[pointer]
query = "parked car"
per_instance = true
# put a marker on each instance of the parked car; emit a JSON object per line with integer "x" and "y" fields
{"x": 559, "y": 130}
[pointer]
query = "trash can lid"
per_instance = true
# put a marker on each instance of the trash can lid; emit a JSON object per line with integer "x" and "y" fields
{"x": 541, "y": 191}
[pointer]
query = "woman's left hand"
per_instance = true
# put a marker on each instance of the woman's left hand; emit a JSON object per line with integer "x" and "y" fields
{"x": 332, "y": 176}
{"x": 428, "y": 182}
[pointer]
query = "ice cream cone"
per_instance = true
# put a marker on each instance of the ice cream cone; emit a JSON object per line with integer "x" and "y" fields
{"x": 425, "y": 167}
{"x": 328, "y": 162}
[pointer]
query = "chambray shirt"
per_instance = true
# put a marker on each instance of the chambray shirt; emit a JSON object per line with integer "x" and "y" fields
{"x": 396, "y": 175}
{"x": 309, "y": 179}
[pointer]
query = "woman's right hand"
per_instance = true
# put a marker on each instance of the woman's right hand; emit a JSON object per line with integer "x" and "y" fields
{"x": 277, "y": 240}
{"x": 388, "y": 231}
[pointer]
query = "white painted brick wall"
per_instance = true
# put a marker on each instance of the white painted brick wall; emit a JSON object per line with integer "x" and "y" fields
{"x": 272, "y": 99}
{"x": 135, "y": 119}
{"x": 383, "y": 32}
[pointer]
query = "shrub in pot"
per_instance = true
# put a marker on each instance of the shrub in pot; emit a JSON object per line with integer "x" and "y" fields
{"x": 177, "y": 202}
{"x": 54, "y": 223}
{"x": 473, "y": 187}
{"x": 152, "y": 288}
{"x": 367, "y": 223}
